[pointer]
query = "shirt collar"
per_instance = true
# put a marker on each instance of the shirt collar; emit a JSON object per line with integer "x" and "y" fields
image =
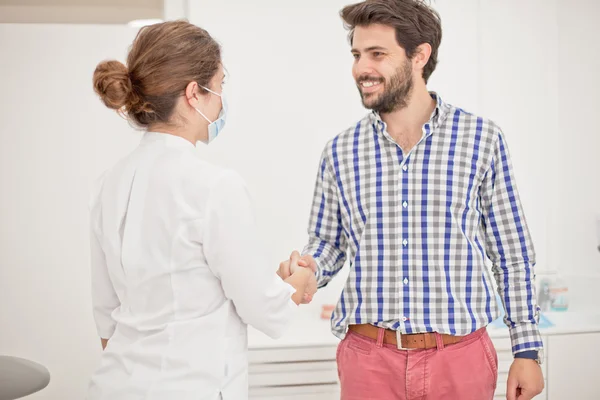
{"x": 438, "y": 114}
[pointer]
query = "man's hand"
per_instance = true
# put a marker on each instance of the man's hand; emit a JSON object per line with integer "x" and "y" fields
{"x": 525, "y": 380}
{"x": 288, "y": 267}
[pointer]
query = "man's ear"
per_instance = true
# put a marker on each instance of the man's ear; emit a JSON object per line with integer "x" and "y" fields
{"x": 421, "y": 57}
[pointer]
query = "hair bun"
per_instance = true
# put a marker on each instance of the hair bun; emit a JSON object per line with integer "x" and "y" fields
{"x": 113, "y": 85}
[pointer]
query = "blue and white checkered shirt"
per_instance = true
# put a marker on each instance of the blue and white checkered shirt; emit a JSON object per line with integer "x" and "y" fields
{"x": 421, "y": 228}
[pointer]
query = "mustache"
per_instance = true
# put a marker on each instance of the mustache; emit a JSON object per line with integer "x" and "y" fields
{"x": 363, "y": 78}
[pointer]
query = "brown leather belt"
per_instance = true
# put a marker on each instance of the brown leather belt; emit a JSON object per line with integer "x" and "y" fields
{"x": 408, "y": 341}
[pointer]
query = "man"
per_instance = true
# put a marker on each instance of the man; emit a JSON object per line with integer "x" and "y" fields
{"x": 419, "y": 195}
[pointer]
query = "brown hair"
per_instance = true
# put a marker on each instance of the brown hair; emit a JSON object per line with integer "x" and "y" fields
{"x": 414, "y": 21}
{"x": 164, "y": 58}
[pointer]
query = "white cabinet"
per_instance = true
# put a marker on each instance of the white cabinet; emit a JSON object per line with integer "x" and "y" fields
{"x": 311, "y": 392}
{"x": 574, "y": 372}
{"x": 294, "y": 373}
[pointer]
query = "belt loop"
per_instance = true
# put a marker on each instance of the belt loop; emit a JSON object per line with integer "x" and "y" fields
{"x": 439, "y": 341}
{"x": 380, "y": 335}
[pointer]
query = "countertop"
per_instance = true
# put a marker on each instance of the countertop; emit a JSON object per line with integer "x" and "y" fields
{"x": 308, "y": 330}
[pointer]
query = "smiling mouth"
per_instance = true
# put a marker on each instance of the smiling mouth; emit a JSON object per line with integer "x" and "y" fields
{"x": 369, "y": 84}
{"x": 369, "y": 88}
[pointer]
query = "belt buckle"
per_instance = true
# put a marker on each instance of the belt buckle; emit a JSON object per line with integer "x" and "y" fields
{"x": 399, "y": 341}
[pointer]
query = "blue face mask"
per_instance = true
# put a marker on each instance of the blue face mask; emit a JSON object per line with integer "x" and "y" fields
{"x": 215, "y": 127}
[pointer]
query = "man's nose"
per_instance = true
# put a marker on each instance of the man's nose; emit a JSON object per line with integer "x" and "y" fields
{"x": 364, "y": 68}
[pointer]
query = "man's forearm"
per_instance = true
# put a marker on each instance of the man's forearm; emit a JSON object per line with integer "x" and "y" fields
{"x": 521, "y": 310}
{"x": 516, "y": 286}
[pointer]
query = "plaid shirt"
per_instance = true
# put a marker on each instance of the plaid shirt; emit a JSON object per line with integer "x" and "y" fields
{"x": 421, "y": 228}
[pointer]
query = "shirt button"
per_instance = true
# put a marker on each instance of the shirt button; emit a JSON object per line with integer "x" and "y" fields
{"x": 405, "y": 242}
{"x": 405, "y": 168}
{"x": 406, "y": 281}
{"x": 404, "y": 319}
{"x": 405, "y": 204}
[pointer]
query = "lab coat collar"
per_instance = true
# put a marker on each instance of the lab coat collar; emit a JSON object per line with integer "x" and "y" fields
{"x": 167, "y": 139}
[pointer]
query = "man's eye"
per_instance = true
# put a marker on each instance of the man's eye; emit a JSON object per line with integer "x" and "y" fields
{"x": 377, "y": 54}
{"x": 356, "y": 56}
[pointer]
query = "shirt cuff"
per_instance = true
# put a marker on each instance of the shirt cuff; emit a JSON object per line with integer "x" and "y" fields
{"x": 528, "y": 354}
{"x": 291, "y": 308}
{"x": 291, "y": 290}
{"x": 106, "y": 331}
{"x": 525, "y": 337}
{"x": 318, "y": 272}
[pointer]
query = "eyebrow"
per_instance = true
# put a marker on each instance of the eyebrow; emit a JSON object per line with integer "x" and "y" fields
{"x": 372, "y": 48}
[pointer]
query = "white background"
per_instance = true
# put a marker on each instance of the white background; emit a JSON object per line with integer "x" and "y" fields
{"x": 529, "y": 65}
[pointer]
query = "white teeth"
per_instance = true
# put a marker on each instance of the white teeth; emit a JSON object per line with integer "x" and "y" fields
{"x": 369, "y": 84}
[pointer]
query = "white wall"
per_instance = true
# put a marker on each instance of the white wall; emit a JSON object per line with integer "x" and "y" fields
{"x": 526, "y": 65}
{"x": 576, "y": 153}
{"x": 54, "y": 137}
{"x": 539, "y": 61}
{"x": 518, "y": 83}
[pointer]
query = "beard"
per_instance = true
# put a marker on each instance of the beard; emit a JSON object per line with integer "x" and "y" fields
{"x": 396, "y": 91}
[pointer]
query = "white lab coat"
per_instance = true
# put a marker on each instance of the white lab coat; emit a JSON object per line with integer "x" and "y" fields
{"x": 177, "y": 273}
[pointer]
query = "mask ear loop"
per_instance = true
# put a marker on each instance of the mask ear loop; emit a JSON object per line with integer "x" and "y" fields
{"x": 217, "y": 94}
{"x": 200, "y": 112}
{"x": 207, "y": 89}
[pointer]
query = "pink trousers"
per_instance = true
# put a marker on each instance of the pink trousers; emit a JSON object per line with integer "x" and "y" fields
{"x": 370, "y": 369}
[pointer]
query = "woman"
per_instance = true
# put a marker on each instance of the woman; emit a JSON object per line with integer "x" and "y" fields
{"x": 175, "y": 269}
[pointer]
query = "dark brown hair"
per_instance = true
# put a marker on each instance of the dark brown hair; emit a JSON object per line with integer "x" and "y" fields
{"x": 162, "y": 60}
{"x": 414, "y": 21}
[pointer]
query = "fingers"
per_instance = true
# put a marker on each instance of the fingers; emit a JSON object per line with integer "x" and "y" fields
{"x": 298, "y": 280}
{"x": 307, "y": 298}
{"x": 310, "y": 262}
{"x": 294, "y": 258}
{"x": 525, "y": 380}
{"x": 524, "y": 396}
{"x": 529, "y": 394}
{"x": 311, "y": 287}
{"x": 284, "y": 270}
{"x": 287, "y": 267}
{"x": 511, "y": 389}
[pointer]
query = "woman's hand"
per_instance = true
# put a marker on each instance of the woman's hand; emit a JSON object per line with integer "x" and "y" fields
{"x": 300, "y": 273}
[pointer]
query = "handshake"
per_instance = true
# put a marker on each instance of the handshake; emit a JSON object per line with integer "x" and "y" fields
{"x": 300, "y": 273}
